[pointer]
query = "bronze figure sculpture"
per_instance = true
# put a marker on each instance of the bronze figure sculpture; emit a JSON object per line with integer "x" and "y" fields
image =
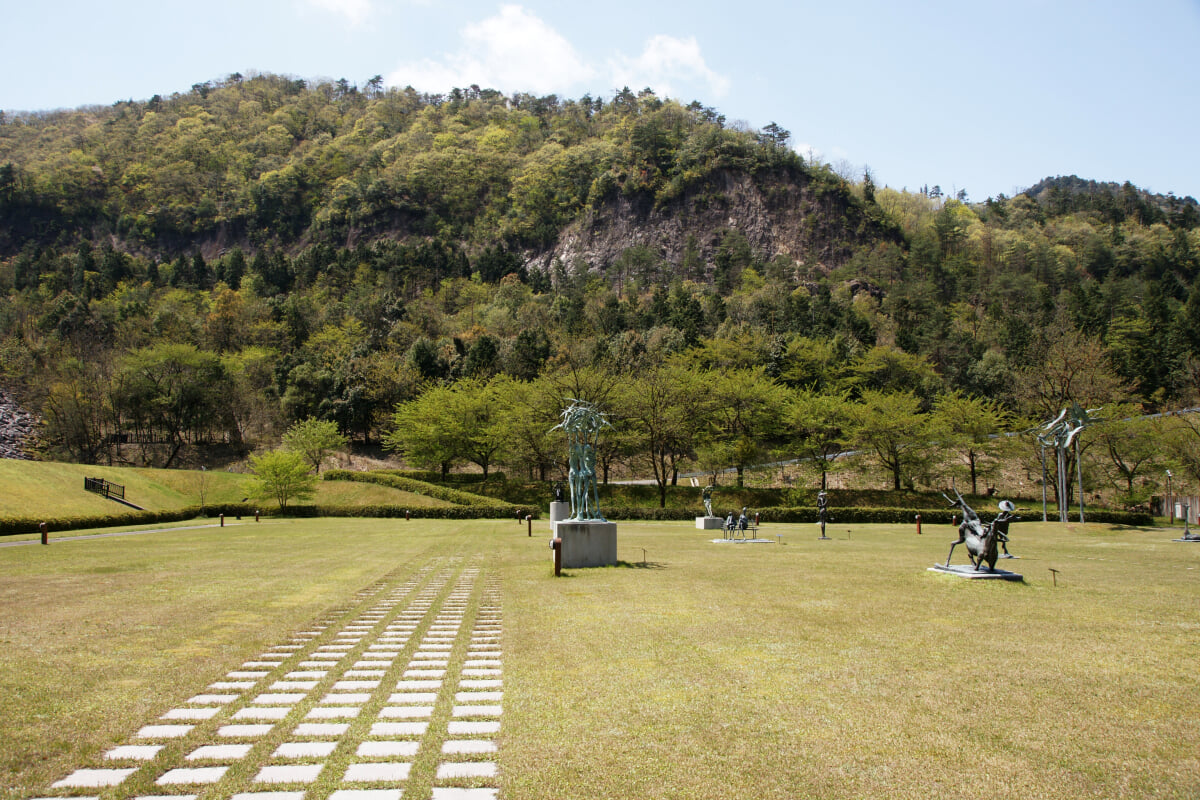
{"x": 982, "y": 541}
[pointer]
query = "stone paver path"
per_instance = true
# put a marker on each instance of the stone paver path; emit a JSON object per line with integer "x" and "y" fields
{"x": 396, "y": 695}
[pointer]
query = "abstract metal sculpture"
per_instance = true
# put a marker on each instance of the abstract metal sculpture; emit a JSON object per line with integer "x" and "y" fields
{"x": 1060, "y": 433}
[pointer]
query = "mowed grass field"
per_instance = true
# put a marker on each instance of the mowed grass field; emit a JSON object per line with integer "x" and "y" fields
{"x": 807, "y": 669}
{"x": 52, "y": 489}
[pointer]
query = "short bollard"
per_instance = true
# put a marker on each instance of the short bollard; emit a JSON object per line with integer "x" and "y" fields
{"x": 556, "y": 546}
{"x": 256, "y": 513}
{"x": 406, "y": 515}
{"x": 222, "y": 520}
{"x": 45, "y": 533}
{"x": 918, "y": 524}
{"x": 529, "y": 523}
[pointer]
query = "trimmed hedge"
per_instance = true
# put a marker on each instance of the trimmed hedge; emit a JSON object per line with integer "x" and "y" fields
{"x": 476, "y": 511}
{"x": 860, "y": 516}
{"x": 432, "y": 476}
{"x": 466, "y": 499}
{"x": 16, "y": 525}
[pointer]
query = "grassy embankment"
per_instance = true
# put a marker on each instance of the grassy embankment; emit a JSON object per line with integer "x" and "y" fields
{"x": 807, "y": 669}
{"x": 52, "y": 489}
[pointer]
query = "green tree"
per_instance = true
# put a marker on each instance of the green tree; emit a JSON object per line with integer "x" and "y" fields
{"x": 818, "y": 427}
{"x": 970, "y": 426}
{"x": 314, "y": 439}
{"x": 419, "y": 431}
{"x": 895, "y": 432}
{"x": 663, "y": 410}
{"x": 746, "y": 418}
{"x": 282, "y": 475}
{"x": 1130, "y": 448}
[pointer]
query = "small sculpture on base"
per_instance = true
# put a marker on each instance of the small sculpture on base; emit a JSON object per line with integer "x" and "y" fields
{"x": 822, "y": 508}
{"x": 707, "y": 497}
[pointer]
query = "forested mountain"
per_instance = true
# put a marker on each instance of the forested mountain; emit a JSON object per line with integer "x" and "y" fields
{"x": 213, "y": 265}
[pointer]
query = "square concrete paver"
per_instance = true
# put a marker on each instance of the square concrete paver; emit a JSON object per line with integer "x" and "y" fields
{"x": 478, "y": 697}
{"x": 133, "y": 752}
{"x": 365, "y": 673}
{"x": 92, "y": 778}
{"x": 466, "y": 769}
{"x": 300, "y": 773}
{"x": 191, "y": 713}
{"x": 349, "y": 699}
{"x": 377, "y": 773}
{"x": 304, "y": 749}
{"x": 366, "y": 794}
{"x": 477, "y": 711}
{"x": 241, "y": 673}
{"x": 243, "y": 731}
{"x": 387, "y": 749}
{"x": 189, "y": 775}
{"x": 399, "y": 728}
{"x": 287, "y": 686}
{"x": 333, "y": 712}
{"x": 278, "y": 699}
{"x": 265, "y": 712}
{"x": 417, "y": 686}
{"x": 481, "y": 684}
{"x": 306, "y": 675}
{"x": 412, "y": 697}
{"x": 464, "y": 794}
{"x": 321, "y": 729}
{"x": 216, "y": 699}
{"x": 473, "y": 728}
{"x": 405, "y": 712}
{"x": 468, "y": 746}
{"x": 164, "y": 731}
{"x": 219, "y": 752}
{"x": 353, "y": 686}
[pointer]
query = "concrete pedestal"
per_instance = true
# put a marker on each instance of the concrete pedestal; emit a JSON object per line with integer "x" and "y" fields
{"x": 559, "y": 510}
{"x": 587, "y": 544}
{"x": 709, "y": 523}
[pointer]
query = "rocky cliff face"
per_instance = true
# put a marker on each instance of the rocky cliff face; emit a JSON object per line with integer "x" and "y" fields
{"x": 17, "y": 428}
{"x": 777, "y": 216}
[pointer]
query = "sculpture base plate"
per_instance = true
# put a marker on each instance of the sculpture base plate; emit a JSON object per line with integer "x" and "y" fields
{"x": 709, "y": 523}
{"x": 1187, "y": 539}
{"x": 587, "y": 543}
{"x": 967, "y": 571}
{"x": 743, "y": 541}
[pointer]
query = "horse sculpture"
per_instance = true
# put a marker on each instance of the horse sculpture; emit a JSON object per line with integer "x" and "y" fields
{"x": 981, "y": 540}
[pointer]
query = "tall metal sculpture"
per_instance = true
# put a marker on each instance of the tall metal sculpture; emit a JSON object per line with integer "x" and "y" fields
{"x": 582, "y": 421}
{"x": 1061, "y": 433}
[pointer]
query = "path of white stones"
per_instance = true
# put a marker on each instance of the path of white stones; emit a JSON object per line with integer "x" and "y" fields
{"x": 337, "y": 712}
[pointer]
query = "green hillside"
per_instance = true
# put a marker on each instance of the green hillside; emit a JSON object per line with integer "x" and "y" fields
{"x": 38, "y": 488}
{"x": 182, "y": 278}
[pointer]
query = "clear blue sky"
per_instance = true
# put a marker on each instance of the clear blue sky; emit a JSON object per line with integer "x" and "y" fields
{"x": 988, "y": 96}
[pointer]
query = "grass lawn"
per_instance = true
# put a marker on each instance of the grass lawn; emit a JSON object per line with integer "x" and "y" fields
{"x": 37, "y": 488}
{"x": 807, "y": 669}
